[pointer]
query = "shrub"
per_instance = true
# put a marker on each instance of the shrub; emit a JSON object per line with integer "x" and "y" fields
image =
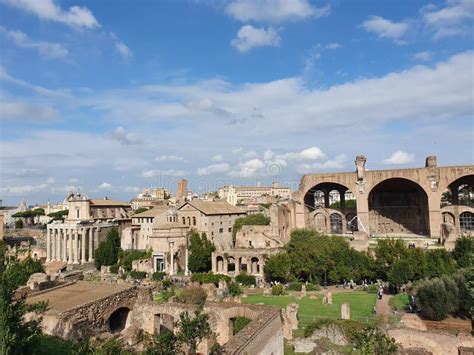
{"x": 114, "y": 268}
{"x": 127, "y": 256}
{"x": 295, "y": 286}
{"x": 234, "y": 289}
{"x": 245, "y": 279}
{"x": 139, "y": 275}
{"x": 19, "y": 224}
{"x": 432, "y": 299}
{"x": 158, "y": 275}
{"x": 166, "y": 283}
{"x": 192, "y": 295}
{"x": 278, "y": 290}
{"x": 208, "y": 278}
{"x": 374, "y": 288}
{"x": 312, "y": 287}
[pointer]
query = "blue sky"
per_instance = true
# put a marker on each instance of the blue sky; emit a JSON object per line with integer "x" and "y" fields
{"x": 113, "y": 96}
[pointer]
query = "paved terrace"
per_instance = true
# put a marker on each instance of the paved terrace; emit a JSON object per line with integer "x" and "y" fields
{"x": 62, "y": 299}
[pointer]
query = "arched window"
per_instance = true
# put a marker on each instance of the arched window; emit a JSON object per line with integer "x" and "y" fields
{"x": 466, "y": 220}
{"x": 336, "y": 223}
{"x": 189, "y": 221}
{"x": 184, "y": 220}
{"x": 194, "y": 220}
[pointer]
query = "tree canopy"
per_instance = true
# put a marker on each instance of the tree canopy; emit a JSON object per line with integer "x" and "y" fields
{"x": 108, "y": 250}
{"x": 200, "y": 252}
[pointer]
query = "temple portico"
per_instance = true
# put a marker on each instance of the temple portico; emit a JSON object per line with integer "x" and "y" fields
{"x": 72, "y": 243}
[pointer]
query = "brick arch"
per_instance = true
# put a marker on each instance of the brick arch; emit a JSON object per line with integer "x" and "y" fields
{"x": 444, "y": 185}
{"x": 220, "y": 320}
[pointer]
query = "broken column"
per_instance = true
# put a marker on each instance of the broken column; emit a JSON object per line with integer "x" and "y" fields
{"x": 345, "y": 311}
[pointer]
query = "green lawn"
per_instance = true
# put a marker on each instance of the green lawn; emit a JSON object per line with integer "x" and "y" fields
{"x": 399, "y": 302}
{"x": 361, "y": 305}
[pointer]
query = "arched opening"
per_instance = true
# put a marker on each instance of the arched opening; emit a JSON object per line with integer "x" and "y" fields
{"x": 466, "y": 221}
{"x": 238, "y": 323}
{"x": 118, "y": 319}
{"x": 255, "y": 267}
{"x": 220, "y": 264}
{"x": 320, "y": 223}
{"x": 330, "y": 195}
{"x": 459, "y": 193}
{"x": 163, "y": 322}
{"x": 448, "y": 218}
{"x": 184, "y": 220}
{"x": 243, "y": 264}
{"x": 194, "y": 220}
{"x": 352, "y": 222}
{"x": 230, "y": 264}
{"x": 398, "y": 206}
{"x": 336, "y": 223}
{"x": 189, "y": 221}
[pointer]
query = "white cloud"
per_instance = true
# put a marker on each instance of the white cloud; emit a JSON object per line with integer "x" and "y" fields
{"x": 333, "y": 45}
{"x": 170, "y": 157}
{"x": 120, "y": 135}
{"x": 248, "y": 169}
{"x": 214, "y": 169}
{"x": 250, "y": 37}
{"x": 423, "y": 56}
{"x": 27, "y": 112}
{"x": 275, "y": 10}
{"x": 45, "y": 49}
{"x": 268, "y": 154}
{"x": 157, "y": 173}
{"x": 121, "y": 48}
{"x": 105, "y": 186}
{"x": 454, "y": 19}
{"x": 399, "y": 157}
{"x": 22, "y": 189}
{"x": 312, "y": 153}
{"x": 385, "y": 28}
{"x": 337, "y": 163}
{"x": 76, "y": 16}
{"x": 217, "y": 157}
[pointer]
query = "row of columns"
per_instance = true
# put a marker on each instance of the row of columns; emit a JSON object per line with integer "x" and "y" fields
{"x": 72, "y": 245}
{"x": 221, "y": 266}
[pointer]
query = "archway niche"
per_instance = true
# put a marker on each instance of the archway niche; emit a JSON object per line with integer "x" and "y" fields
{"x": 220, "y": 264}
{"x": 320, "y": 223}
{"x": 459, "y": 193}
{"x": 336, "y": 223}
{"x": 398, "y": 206}
{"x": 330, "y": 195}
{"x": 118, "y": 319}
{"x": 255, "y": 267}
{"x": 230, "y": 264}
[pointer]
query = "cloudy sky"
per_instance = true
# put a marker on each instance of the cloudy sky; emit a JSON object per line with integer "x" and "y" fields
{"x": 112, "y": 96}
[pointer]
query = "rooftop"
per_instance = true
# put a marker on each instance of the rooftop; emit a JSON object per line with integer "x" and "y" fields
{"x": 214, "y": 207}
{"x": 153, "y": 212}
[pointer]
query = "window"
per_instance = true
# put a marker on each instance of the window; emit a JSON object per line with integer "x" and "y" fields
{"x": 212, "y": 233}
{"x": 184, "y": 220}
{"x": 77, "y": 213}
{"x": 221, "y": 230}
{"x": 230, "y": 229}
{"x": 194, "y": 221}
{"x": 250, "y": 243}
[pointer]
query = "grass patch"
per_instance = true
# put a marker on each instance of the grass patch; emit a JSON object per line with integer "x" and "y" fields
{"x": 309, "y": 311}
{"x": 399, "y": 302}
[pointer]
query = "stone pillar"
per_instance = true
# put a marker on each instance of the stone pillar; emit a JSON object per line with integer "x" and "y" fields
{"x": 345, "y": 311}
{"x": 237, "y": 265}
{"x": 71, "y": 237}
{"x": 342, "y": 196}
{"x": 83, "y": 245}
{"x": 215, "y": 266}
{"x": 57, "y": 245}
{"x": 326, "y": 198}
{"x": 48, "y": 244}
{"x": 91, "y": 244}
{"x": 225, "y": 266}
{"x": 171, "y": 268}
{"x": 75, "y": 247}
{"x": 64, "y": 254}
{"x": 186, "y": 269}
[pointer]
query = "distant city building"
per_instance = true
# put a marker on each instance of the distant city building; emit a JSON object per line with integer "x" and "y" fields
{"x": 236, "y": 194}
{"x": 150, "y": 198}
{"x": 181, "y": 190}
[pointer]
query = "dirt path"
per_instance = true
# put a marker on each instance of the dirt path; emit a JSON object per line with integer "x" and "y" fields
{"x": 382, "y": 307}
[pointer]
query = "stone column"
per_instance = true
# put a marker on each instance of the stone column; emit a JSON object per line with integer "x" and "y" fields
{"x": 83, "y": 245}
{"x": 57, "y": 256}
{"x": 326, "y": 198}
{"x": 186, "y": 269}
{"x": 171, "y": 269}
{"x": 75, "y": 247}
{"x": 91, "y": 244}
{"x": 64, "y": 256}
{"x": 342, "y": 196}
{"x": 237, "y": 265}
{"x": 48, "y": 244}
{"x": 225, "y": 266}
{"x": 71, "y": 237}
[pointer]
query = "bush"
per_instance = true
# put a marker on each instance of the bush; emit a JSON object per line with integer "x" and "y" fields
{"x": 246, "y": 280}
{"x": 438, "y": 297}
{"x": 295, "y": 286}
{"x": 209, "y": 278}
{"x": 114, "y": 268}
{"x": 139, "y": 275}
{"x": 278, "y": 290}
{"x": 234, "y": 289}
{"x": 19, "y": 224}
{"x": 158, "y": 276}
{"x": 374, "y": 288}
{"x": 312, "y": 287}
{"x": 166, "y": 283}
{"x": 192, "y": 295}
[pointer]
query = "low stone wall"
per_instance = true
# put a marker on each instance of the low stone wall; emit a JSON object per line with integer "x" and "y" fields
{"x": 25, "y": 232}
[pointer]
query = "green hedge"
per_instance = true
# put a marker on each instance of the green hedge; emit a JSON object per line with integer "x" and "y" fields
{"x": 209, "y": 278}
{"x": 158, "y": 275}
{"x": 295, "y": 286}
{"x": 246, "y": 280}
{"x": 278, "y": 290}
{"x": 139, "y": 275}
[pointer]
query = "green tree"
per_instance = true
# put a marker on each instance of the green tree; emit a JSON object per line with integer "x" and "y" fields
{"x": 372, "y": 342}
{"x": 278, "y": 268}
{"x": 140, "y": 210}
{"x": 463, "y": 252}
{"x": 16, "y": 335}
{"x": 257, "y": 219}
{"x": 439, "y": 262}
{"x": 164, "y": 343}
{"x": 200, "y": 252}
{"x": 387, "y": 252}
{"x": 108, "y": 250}
{"x": 192, "y": 330}
{"x": 19, "y": 224}
{"x": 400, "y": 273}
